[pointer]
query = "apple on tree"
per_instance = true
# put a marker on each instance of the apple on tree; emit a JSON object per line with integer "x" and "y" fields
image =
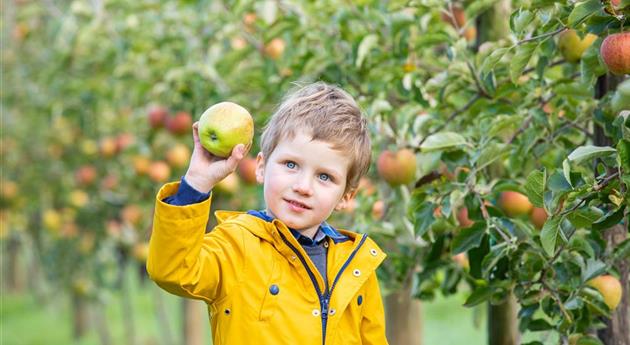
{"x": 514, "y": 204}
{"x": 615, "y": 52}
{"x": 398, "y": 167}
{"x": 610, "y": 288}
{"x": 572, "y": 46}
{"x": 223, "y": 126}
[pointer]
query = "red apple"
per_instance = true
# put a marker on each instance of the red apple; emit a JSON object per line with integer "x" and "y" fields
{"x": 378, "y": 210}
{"x": 141, "y": 165}
{"x": 157, "y": 116}
{"x": 538, "y": 217}
{"x": 397, "y": 168}
{"x": 124, "y": 140}
{"x": 178, "y": 155}
{"x": 159, "y": 171}
{"x": 275, "y": 48}
{"x": 615, "y": 52}
{"x": 462, "y": 218}
{"x": 247, "y": 170}
{"x": 85, "y": 175}
{"x": 514, "y": 204}
{"x": 180, "y": 124}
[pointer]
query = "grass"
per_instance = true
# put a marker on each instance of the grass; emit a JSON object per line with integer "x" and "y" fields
{"x": 25, "y": 321}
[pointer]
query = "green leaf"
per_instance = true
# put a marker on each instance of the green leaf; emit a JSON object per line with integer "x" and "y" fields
{"x": 535, "y": 187}
{"x": 622, "y": 251}
{"x": 610, "y": 219}
{"x": 584, "y": 217}
{"x": 491, "y": 60}
{"x": 423, "y": 217}
{"x": 522, "y": 56}
{"x": 549, "y": 234}
{"x": 582, "y": 11}
{"x": 468, "y": 238}
{"x": 521, "y": 19}
{"x": 442, "y": 140}
{"x": 566, "y": 170}
{"x": 539, "y": 325}
{"x": 588, "y": 152}
{"x": 557, "y": 183}
{"x": 588, "y": 340}
{"x": 623, "y": 149}
{"x": 490, "y": 153}
{"x": 593, "y": 269}
{"x": 480, "y": 294}
{"x": 365, "y": 46}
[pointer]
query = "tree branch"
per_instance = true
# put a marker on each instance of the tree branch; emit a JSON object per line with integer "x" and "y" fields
{"x": 449, "y": 119}
{"x": 547, "y": 34}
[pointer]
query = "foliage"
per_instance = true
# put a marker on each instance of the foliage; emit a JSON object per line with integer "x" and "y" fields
{"x": 507, "y": 114}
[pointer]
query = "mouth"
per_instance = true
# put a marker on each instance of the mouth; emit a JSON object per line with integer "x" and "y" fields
{"x": 297, "y": 203}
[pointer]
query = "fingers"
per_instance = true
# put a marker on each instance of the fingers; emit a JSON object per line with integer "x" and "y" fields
{"x": 195, "y": 132}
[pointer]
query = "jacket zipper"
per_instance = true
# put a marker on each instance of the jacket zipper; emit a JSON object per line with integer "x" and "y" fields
{"x": 324, "y": 298}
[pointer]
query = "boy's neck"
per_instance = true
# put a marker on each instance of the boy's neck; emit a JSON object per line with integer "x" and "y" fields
{"x": 310, "y": 232}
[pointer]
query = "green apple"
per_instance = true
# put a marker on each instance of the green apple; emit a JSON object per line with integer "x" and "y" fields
{"x": 223, "y": 126}
{"x": 572, "y": 46}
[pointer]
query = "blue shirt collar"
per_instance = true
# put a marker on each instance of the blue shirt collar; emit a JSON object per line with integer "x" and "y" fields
{"x": 324, "y": 230}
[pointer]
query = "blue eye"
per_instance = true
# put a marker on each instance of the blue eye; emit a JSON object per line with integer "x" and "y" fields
{"x": 290, "y": 165}
{"x": 324, "y": 177}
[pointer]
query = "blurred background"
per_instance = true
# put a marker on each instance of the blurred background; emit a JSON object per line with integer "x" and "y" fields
{"x": 98, "y": 98}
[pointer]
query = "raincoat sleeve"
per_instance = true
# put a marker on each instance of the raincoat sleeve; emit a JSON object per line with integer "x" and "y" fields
{"x": 186, "y": 261}
{"x": 373, "y": 320}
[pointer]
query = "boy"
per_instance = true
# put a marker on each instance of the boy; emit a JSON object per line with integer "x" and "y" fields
{"x": 281, "y": 275}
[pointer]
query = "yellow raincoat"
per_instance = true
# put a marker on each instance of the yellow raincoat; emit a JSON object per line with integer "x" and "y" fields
{"x": 260, "y": 285}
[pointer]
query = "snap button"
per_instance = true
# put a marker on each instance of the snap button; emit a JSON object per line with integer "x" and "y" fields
{"x": 274, "y": 289}
{"x": 373, "y": 252}
{"x": 293, "y": 257}
{"x": 325, "y": 244}
{"x": 356, "y": 273}
{"x": 360, "y": 300}
{"x": 227, "y": 311}
{"x": 315, "y": 312}
{"x": 331, "y": 312}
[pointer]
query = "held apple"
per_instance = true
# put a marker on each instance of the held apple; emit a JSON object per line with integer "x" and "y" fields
{"x": 223, "y": 126}
{"x": 615, "y": 52}
{"x": 572, "y": 46}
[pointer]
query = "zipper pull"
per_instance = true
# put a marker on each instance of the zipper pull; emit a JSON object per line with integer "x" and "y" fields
{"x": 325, "y": 308}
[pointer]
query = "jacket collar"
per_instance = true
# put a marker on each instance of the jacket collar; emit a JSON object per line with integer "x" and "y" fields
{"x": 324, "y": 228}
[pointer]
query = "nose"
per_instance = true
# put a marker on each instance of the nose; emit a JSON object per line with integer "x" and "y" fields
{"x": 302, "y": 185}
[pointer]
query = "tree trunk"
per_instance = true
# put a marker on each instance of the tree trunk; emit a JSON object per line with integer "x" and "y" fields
{"x": 15, "y": 279}
{"x": 617, "y": 331}
{"x": 193, "y": 321}
{"x": 502, "y": 323}
{"x": 162, "y": 317}
{"x": 404, "y": 318}
{"x": 100, "y": 323}
{"x": 493, "y": 25}
{"x": 79, "y": 316}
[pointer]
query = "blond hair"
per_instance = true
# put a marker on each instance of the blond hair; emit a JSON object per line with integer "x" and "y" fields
{"x": 329, "y": 114}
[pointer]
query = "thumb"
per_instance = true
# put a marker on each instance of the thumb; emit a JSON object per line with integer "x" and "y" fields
{"x": 238, "y": 152}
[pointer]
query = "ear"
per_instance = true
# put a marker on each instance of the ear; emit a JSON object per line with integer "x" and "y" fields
{"x": 260, "y": 168}
{"x": 346, "y": 199}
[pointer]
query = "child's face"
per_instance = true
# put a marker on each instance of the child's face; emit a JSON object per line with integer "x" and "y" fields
{"x": 304, "y": 181}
